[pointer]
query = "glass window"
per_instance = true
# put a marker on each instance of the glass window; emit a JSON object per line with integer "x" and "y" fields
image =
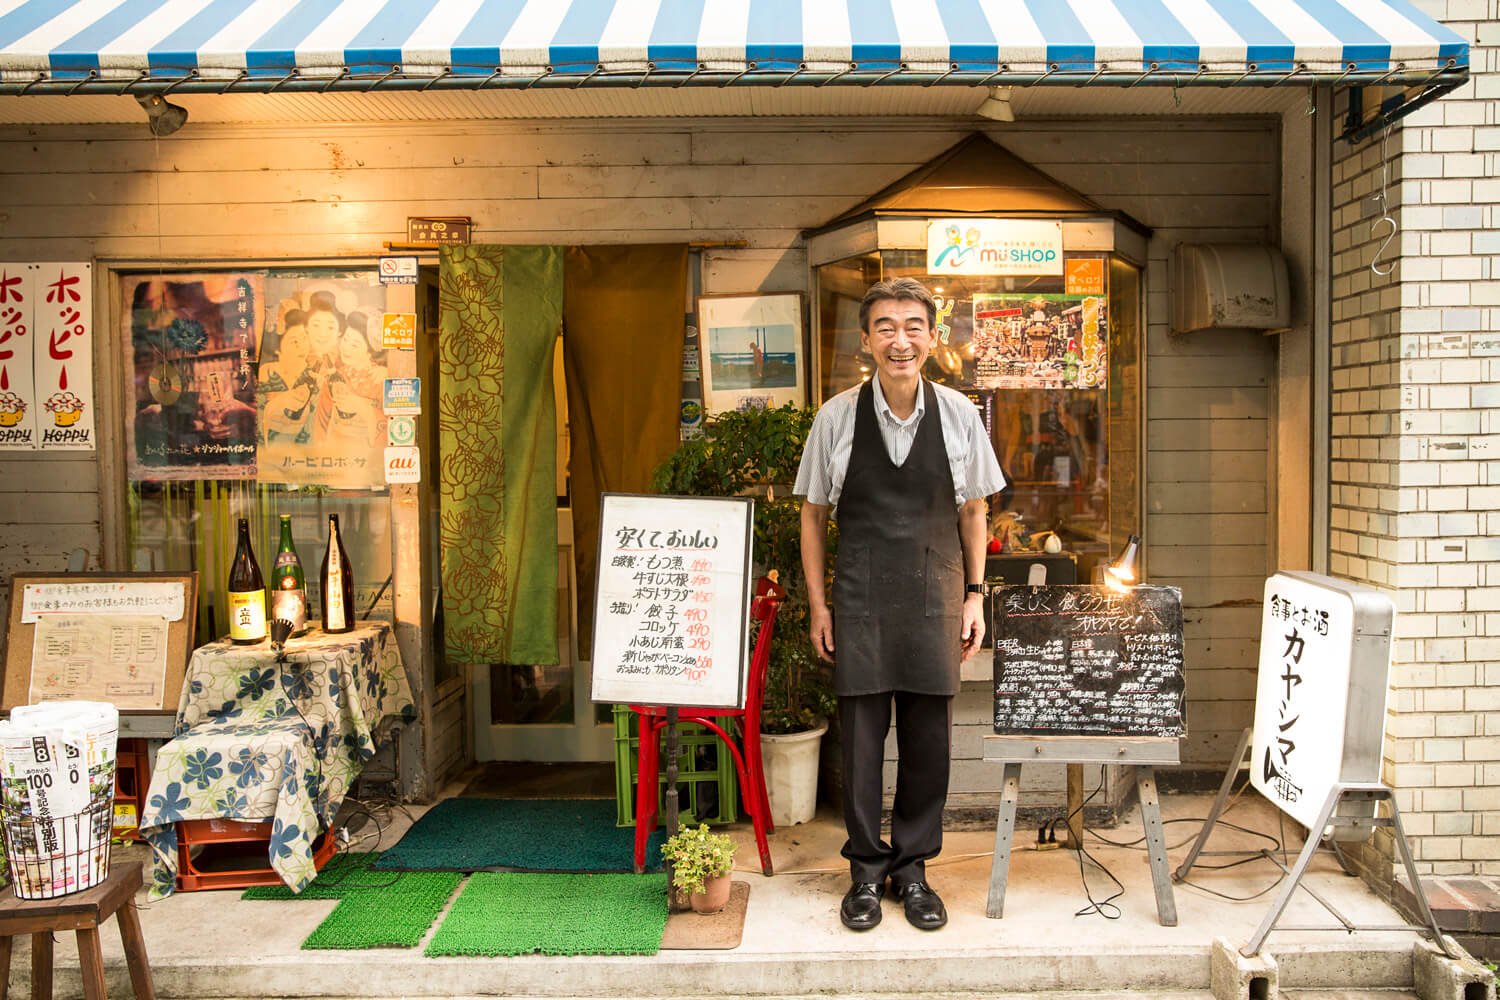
{"x": 1052, "y": 364}
{"x": 256, "y": 393}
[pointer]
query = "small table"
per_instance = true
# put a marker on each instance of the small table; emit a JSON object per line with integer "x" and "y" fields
{"x": 82, "y": 912}
{"x": 261, "y": 740}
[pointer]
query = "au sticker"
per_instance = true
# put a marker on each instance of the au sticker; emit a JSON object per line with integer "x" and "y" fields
{"x": 403, "y": 465}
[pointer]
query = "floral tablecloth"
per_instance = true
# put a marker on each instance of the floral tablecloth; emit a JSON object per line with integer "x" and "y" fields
{"x": 260, "y": 740}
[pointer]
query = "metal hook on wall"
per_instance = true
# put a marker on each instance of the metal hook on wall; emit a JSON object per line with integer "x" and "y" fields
{"x": 1385, "y": 214}
{"x": 1375, "y": 261}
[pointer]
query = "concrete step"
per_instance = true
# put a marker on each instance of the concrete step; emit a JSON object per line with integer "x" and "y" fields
{"x": 1060, "y": 972}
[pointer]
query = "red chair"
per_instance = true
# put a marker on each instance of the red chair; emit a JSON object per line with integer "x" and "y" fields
{"x": 747, "y": 762}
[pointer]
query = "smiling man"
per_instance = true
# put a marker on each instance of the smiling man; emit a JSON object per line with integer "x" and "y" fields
{"x": 905, "y": 465}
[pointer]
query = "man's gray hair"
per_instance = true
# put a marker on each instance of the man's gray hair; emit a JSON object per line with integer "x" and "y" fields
{"x": 901, "y": 289}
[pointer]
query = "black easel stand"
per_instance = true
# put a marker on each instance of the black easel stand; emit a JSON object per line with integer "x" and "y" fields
{"x": 1361, "y": 794}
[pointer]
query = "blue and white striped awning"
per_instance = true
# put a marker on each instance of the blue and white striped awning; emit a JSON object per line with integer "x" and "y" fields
{"x": 53, "y": 46}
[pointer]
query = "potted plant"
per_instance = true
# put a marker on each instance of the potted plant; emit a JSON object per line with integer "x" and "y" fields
{"x": 755, "y": 452}
{"x": 701, "y": 863}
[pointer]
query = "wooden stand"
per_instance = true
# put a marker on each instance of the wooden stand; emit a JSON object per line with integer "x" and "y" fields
{"x": 82, "y": 912}
{"x": 1144, "y": 752}
{"x": 1349, "y": 809}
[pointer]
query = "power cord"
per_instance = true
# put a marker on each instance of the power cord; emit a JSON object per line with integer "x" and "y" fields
{"x": 1105, "y": 907}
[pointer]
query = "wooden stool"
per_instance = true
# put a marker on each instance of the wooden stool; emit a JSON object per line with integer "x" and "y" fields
{"x": 82, "y": 912}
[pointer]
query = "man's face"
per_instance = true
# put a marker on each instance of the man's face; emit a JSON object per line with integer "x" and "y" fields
{"x": 899, "y": 337}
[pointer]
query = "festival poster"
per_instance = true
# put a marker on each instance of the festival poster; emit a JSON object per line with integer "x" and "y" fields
{"x": 321, "y": 380}
{"x": 1040, "y": 342}
{"x": 191, "y": 343}
{"x": 63, "y": 358}
{"x": 18, "y": 409}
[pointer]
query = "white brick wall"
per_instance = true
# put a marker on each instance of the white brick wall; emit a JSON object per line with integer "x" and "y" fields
{"x": 1416, "y": 411}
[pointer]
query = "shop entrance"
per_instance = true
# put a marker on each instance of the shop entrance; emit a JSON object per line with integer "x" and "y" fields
{"x": 542, "y": 712}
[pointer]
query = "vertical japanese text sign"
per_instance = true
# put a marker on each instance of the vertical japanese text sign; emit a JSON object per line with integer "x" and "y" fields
{"x": 1321, "y": 693}
{"x": 18, "y": 409}
{"x": 62, "y": 322}
{"x": 672, "y": 602}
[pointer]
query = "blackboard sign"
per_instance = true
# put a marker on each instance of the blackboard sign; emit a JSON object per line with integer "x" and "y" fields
{"x": 672, "y": 602}
{"x": 1087, "y": 661}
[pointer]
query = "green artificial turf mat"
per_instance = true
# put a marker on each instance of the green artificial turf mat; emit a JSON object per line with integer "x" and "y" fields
{"x": 396, "y": 916}
{"x": 536, "y": 835}
{"x": 342, "y": 873}
{"x": 523, "y": 913}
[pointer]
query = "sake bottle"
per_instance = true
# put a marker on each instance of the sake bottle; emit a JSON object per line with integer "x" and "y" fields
{"x": 247, "y": 593}
{"x": 288, "y": 582}
{"x": 336, "y": 582}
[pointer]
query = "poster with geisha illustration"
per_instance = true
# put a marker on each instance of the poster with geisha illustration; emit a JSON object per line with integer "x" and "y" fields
{"x": 1038, "y": 341}
{"x": 190, "y": 342}
{"x": 321, "y": 376}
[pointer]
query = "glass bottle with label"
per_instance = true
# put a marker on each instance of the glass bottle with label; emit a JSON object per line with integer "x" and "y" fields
{"x": 288, "y": 582}
{"x": 336, "y": 582}
{"x": 247, "y": 593}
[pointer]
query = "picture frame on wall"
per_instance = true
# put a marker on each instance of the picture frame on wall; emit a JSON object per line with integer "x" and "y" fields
{"x": 751, "y": 351}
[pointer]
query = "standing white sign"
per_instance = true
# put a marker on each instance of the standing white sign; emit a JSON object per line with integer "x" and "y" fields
{"x": 63, "y": 323}
{"x": 672, "y": 603}
{"x": 1321, "y": 693}
{"x": 994, "y": 246}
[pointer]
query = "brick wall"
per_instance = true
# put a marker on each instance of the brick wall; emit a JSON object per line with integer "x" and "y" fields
{"x": 1415, "y": 476}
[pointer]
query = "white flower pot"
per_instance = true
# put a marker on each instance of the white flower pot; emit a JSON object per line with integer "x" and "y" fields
{"x": 791, "y": 763}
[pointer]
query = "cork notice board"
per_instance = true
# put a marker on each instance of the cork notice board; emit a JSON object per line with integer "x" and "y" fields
{"x": 173, "y": 596}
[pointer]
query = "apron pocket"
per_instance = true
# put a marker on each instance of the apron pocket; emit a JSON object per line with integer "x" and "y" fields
{"x": 851, "y": 582}
{"x": 945, "y": 584}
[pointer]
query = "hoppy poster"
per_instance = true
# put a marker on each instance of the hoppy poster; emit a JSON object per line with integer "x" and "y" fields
{"x": 46, "y": 356}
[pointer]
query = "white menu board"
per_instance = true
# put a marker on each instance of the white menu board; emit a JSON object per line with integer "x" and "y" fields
{"x": 672, "y": 602}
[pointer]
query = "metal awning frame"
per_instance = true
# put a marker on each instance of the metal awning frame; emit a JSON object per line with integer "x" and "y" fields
{"x": 1429, "y": 84}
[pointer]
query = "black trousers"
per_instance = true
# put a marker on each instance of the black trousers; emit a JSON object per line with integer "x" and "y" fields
{"x": 924, "y": 726}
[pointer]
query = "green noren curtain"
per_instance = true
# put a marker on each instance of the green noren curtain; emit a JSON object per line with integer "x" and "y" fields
{"x": 501, "y": 313}
{"x": 623, "y": 353}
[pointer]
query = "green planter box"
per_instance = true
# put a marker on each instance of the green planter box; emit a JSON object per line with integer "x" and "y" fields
{"x": 707, "y": 789}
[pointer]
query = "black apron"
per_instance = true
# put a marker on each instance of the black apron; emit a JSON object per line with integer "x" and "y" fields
{"x": 898, "y": 579}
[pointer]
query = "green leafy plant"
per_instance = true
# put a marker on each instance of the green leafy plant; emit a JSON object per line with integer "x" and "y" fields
{"x": 755, "y": 453}
{"x": 696, "y": 855}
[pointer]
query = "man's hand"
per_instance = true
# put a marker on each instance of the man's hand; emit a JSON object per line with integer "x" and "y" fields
{"x": 972, "y": 629}
{"x": 821, "y": 631}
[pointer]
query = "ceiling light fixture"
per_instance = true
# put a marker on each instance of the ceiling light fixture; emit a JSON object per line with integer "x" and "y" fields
{"x": 997, "y": 106}
{"x": 163, "y": 116}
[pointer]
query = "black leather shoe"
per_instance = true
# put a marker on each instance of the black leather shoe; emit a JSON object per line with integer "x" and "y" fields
{"x": 924, "y": 910}
{"x": 860, "y": 909}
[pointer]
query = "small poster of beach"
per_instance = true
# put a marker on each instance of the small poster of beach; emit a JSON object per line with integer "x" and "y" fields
{"x": 751, "y": 347}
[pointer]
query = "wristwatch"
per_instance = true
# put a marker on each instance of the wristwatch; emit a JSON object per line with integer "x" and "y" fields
{"x": 973, "y": 588}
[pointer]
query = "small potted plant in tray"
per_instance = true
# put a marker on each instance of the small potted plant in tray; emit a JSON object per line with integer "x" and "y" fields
{"x": 701, "y": 862}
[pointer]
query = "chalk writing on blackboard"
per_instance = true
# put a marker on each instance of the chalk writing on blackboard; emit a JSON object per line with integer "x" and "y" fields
{"x": 673, "y": 591}
{"x": 1084, "y": 661}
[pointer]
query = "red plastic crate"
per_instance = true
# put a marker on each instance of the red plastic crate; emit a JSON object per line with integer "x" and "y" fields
{"x": 226, "y": 843}
{"x": 132, "y": 778}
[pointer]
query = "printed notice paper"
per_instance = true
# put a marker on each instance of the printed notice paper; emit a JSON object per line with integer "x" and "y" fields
{"x": 121, "y": 659}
